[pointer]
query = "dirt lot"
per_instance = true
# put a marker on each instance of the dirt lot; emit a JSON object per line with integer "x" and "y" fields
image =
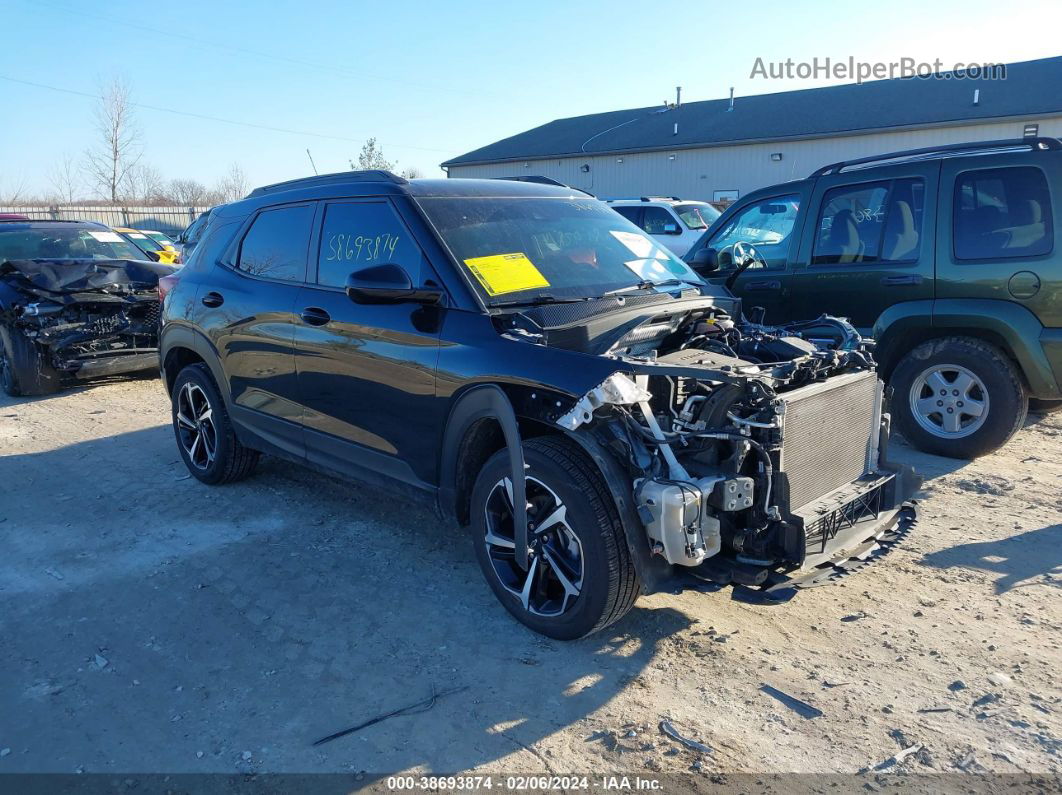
{"x": 151, "y": 623}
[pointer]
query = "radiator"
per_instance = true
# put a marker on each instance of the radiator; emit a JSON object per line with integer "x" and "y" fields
{"x": 829, "y": 431}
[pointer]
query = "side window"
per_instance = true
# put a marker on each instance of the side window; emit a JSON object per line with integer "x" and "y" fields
{"x": 1000, "y": 213}
{"x": 870, "y": 222}
{"x": 632, "y": 214}
{"x": 658, "y": 221}
{"x": 359, "y": 235}
{"x": 767, "y": 224}
{"x": 275, "y": 245}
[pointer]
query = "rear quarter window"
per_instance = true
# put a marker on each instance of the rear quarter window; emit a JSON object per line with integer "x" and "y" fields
{"x": 1002, "y": 213}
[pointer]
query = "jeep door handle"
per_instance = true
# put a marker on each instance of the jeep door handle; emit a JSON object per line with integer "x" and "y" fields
{"x": 315, "y": 316}
{"x": 213, "y": 299}
{"x": 890, "y": 281}
{"x": 773, "y": 284}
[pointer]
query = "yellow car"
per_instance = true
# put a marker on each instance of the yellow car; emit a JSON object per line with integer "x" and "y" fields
{"x": 154, "y": 244}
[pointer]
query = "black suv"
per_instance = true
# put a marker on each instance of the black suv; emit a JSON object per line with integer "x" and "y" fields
{"x": 545, "y": 372}
{"x": 945, "y": 255}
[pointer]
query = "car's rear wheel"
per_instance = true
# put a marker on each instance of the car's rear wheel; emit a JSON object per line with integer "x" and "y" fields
{"x": 23, "y": 369}
{"x": 580, "y": 576}
{"x": 958, "y": 397}
{"x": 205, "y": 436}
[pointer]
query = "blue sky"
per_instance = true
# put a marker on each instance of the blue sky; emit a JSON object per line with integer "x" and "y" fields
{"x": 429, "y": 80}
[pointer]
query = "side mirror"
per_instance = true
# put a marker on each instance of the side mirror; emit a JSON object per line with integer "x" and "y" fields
{"x": 706, "y": 260}
{"x": 154, "y": 256}
{"x": 388, "y": 284}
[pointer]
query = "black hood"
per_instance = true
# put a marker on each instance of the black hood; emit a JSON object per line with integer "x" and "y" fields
{"x": 59, "y": 276}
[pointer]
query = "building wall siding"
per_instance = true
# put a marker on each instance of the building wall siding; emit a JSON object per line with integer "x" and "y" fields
{"x": 698, "y": 173}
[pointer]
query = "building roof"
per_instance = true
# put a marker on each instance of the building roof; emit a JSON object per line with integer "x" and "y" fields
{"x": 1030, "y": 89}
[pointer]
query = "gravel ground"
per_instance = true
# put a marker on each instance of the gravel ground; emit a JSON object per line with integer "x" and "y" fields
{"x": 151, "y": 623}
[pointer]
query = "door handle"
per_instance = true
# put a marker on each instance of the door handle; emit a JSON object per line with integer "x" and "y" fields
{"x": 895, "y": 280}
{"x": 213, "y": 299}
{"x": 773, "y": 284}
{"x": 315, "y": 316}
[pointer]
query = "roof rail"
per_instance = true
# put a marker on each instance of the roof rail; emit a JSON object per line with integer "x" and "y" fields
{"x": 1035, "y": 144}
{"x": 659, "y": 198}
{"x": 370, "y": 175}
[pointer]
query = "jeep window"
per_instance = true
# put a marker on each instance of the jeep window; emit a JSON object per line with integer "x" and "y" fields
{"x": 696, "y": 216}
{"x": 555, "y": 248}
{"x": 1002, "y": 213}
{"x": 870, "y": 222}
{"x": 768, "y": 224}
{"x": 275, "y": 245}
{"x": 68, "y": 243}
{"x": 658, "y": 221}
{"x": 358, "y": 235}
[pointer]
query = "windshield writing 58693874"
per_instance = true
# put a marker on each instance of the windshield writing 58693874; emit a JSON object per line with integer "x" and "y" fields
{"x": 362, "y": 248}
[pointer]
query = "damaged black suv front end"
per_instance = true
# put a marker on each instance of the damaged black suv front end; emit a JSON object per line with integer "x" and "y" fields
{"x": 74, "y": 318}
{"x": 757, "y": 454}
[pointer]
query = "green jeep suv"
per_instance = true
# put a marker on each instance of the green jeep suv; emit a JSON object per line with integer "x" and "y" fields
{"x": 946, "y": 256}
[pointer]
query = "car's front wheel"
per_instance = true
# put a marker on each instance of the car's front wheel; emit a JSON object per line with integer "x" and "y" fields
{"x": 580, "y": 576}
{"x": 958, "y": 397}
{"x": 205, "y": 436}
{"x": 23, "y": 369}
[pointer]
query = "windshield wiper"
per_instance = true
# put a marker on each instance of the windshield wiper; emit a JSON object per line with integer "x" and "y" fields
{"x": 539, "y": 299}
{"x": 647, "y": 285}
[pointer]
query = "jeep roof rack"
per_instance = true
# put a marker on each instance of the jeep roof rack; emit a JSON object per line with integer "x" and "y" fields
{"x": 370, "y": 175}
{"x": 929, "y": 152}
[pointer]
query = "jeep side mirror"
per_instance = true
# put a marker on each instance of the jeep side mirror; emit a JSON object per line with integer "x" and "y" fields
{"x": 705, "y": 260}
{"x": 388, "y": 284}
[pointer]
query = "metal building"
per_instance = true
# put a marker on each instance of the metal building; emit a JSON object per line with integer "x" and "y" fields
{"x": 720, "y": 149}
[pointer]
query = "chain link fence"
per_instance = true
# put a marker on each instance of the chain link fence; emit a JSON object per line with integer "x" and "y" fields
{"x": 170, "y": 220}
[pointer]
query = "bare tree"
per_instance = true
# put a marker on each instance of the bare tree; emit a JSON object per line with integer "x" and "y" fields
{"x": 118, "y": 149}
{"x": 144, "y": 184}
{"x": 66, "y": 180}
{"x": 15, "y": 193}
{"x": 234, "y": 185}
{"x": 371, "y": 156}
{"x": 187, "y": 192}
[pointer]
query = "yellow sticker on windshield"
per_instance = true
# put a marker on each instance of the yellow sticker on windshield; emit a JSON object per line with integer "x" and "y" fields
{"x": 506, "y": 273}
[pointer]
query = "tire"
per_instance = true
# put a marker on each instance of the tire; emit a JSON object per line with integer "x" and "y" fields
{"x": 589, "y": 547}
{"x": 198, "y": 412}
{"x": 927, "y": 377}
{"x": 23, "y": 369}
{"x": 1045, "y": 406}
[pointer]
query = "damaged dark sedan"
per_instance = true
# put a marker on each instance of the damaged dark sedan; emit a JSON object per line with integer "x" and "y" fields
{"x": 547, "y": 373}
{"x": 76, "y": 302}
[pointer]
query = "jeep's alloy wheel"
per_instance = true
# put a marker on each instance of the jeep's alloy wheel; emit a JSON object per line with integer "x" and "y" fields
{"x": 554, "y": 576}
{"x": 948, "y": 400}
{"x": 195, "y": 426}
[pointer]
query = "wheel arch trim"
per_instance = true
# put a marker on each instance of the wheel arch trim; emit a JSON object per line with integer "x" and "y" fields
{"x": 485, "y": 401}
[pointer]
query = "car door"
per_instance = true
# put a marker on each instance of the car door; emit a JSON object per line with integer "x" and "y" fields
{"x": 366, "y": 372}
{"x": 770, "y": 224}
{"x": 867, "y": 244}
{"x": 247, "y": 311}
{"x": 665, "y": 227}
{"x": 1002, "y": 233}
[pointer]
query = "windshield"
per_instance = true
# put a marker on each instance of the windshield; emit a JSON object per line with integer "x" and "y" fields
{"x": 528, "y": 249}
{"x": 141, "y": 241}
{"x": 160, "y": 238}
{"x": 66, "y": 243}
{"x": 696, "y": 216}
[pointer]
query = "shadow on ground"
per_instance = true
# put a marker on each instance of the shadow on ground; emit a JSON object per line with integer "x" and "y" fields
{"x": 156, "y": 623}
{"x": 1021, "y": 558}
